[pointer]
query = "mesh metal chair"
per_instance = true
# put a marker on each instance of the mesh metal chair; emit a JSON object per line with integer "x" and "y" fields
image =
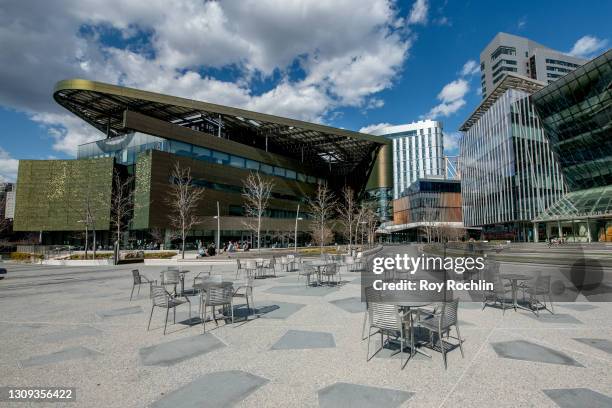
{"x": 387, "y": 319}
{"x": 162, "y": 299}
{"x": 540, "y": 286}
{"x": 371, "y": 295}
{"x": 246, "y": 291}
{"x": 139, "y": 280}
{"x": 331, "y": 270}
{"x": 307, "y": 270}
{"x": 251, "y": 268}
{"x": 270, "y": 265}
{"x": 215, "y": 297}
{"x": 498, "y": 294}
{"x": 171, "y": 278}
{"x": 440, "y": 323}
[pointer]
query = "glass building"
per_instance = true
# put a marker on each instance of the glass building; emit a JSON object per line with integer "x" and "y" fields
{"x": 418, "y": 152}
{"x": 576, "y": 113}
{"x": 509, "y": 173}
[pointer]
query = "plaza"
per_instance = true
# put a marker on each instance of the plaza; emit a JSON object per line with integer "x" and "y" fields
{"x": 302, "y": 346}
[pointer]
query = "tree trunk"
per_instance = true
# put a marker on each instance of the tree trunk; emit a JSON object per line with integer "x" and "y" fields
{"x": 86, "y": 239}
{"x": 259, "y": 234}
{"x": 94, "y": 242}
{"x": 183, "y": 244}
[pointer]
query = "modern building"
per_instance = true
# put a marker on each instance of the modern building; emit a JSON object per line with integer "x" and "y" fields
{"x": 143, "y": 134}
{"x": 509, "y": 173}
{"x": 576, "y": 113}
{"x": 418, "y": 152}
{"x": 428, "y": 210}
{"x": 7, "y": 200}
{"x": 508, "y": 53}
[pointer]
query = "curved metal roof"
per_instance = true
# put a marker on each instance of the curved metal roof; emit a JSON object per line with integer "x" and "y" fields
{"x": 102, "y": 105}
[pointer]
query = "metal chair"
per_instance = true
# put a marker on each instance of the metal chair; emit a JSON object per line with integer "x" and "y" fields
{"x": 329, "y": 271}
{"x": 246, "y": 291}
{"x": 171, "y": 278}
{"x": 239, "y": 267}
{"x": 161, "y": 298}
{"x": 307, "y": 270}
{"x": 371, "y": 295}
{"x": 203, "y": 275}
{"x": 270, "y": 265}
{"x": 440, "y": 323}
{"x": 251, "y": 268}
{"x": 540, "y": 286}
{"x": 498, "y": 294}
{"x": 217, "y": 296}
{"x": 138, "y": 281}
{"x": 388, "y": 319}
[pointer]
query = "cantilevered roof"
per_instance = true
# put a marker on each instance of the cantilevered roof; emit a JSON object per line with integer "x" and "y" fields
{"x": 509, "y": 81}
{"x": 337, "y": 150}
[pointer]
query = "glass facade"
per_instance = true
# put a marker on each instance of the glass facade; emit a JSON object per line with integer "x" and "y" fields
{"x": 125, "y": 149}
{"x": 509, "y": 172}
{"x": 576, "y": 113}
{"x": 417, "y": 153}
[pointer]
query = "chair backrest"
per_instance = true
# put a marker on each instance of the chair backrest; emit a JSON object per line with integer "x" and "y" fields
{"x": 308, "y": 267}
{"x": 136, "y": 276}
{"x": 272, "y": 262}
{"x": 384, "y": 316}
{"x": 170, "y": 277}
{"x": 250, "y": 264}
{"x": 160, "y": 296}
{"x": 331, "y": 268}
{"x": 448, "y": 313}
{"x": 219, "y": 295}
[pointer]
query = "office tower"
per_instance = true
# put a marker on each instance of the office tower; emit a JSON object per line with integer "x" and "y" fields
{"x": 576, "y": 113}
{"x": 509, "y": 173}
{"x": 511, "y": 53}
{"x": 418, "y": 152}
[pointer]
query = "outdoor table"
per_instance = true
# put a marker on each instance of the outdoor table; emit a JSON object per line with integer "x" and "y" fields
{"x": 259, "y": 264}
{"x": 181, "y": 279}
{"x": 408, "y": 305}
{"x": 514, "y": 278}
{"x": 209, "y": 283}
{"x": 319, "y": 265}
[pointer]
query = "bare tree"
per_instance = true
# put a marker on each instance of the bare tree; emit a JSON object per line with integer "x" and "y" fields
{"x": 322, "y": 207}
{"x": 366, "y": 221}
{"x": 183, "y": 201}
{"x": 121, "y": 203}
{"x": 430, "y": 222}
{"x": 256, "y": 192}
{"x": 321, "y": 237}
{"x": 347, "y": 213}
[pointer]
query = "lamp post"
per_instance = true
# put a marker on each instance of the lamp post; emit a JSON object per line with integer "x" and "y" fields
{"x": 297, "y": 218}
{"x": 218, "y": 218}
{"x": 362, "y": 234}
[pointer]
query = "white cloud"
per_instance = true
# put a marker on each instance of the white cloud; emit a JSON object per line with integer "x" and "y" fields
{"x": 418, "y": 13}
{"x": 374, "y": 128}
{"x": 588, "y": 45}
{"x": 451, "y": 99}
{"x": 8, "y": 166}
{"x": 257, "y": 39}
{"x": 470, "y": 68}
{"x": 451, "y": 142}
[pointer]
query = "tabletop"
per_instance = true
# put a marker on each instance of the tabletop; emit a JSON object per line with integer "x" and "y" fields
{"x": 211, "y": 284}
{"x": 515, "y": 276}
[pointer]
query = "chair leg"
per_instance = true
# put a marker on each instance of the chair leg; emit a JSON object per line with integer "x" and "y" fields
{"x": 174, "y": 315}
{"x": 460, "y": 340}
{"x": 365, "y": 319}
{"x": 132, "y": 292}
{"x": 166, "y": 322}
{"x": 552, "y": 308}
{"x": 138, "y": 293}
{"x": 150, "y": 317}
{"x": 232, "y": 311}
{"x": 204, "y": 318}
{"x": 443, "y": 349}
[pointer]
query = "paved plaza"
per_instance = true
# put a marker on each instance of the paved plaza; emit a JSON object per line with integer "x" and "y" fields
{"x": 75, "y": 327}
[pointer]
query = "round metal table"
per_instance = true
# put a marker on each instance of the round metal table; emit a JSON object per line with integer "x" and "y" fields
{"x": 514, "y": 278}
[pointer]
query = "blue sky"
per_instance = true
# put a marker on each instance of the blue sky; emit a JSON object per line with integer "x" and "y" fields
{"x": 348, "y": 63}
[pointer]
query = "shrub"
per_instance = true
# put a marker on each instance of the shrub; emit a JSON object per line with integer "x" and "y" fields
{"x": 24, "y": 256}
{"x": 159, "y": 255}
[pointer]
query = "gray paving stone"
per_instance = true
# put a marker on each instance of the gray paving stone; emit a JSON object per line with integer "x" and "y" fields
{"x": 119, "y": 312}
{"x": 579, "y": 307}
{"x": 172, "y": 352}
{"x": 301, "y": 290}
{"x": 578, "y": 398}
{"x": 220, "y": 389}
{"x": 80, "y": 331}
{"x": 351, "y": 305}
{"x": 470, "y": 305}
{"x": 299, "y": 339}
{"x": 72, "y": 353}
{"x": 278, "y": 310}
{"x": 601, "y": 344}
{"x": 343, "y": 394}
{"x": 527, "y": 351}
{"x": 546, "y": 317}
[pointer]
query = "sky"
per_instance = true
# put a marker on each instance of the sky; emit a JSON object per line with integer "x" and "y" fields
{"x": 354, "y": 64}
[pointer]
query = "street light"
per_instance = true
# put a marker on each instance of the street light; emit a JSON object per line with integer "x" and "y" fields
{"x": 297, "y": 218}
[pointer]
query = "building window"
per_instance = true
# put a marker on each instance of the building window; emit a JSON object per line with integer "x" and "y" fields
{"x": 502, "y": 50}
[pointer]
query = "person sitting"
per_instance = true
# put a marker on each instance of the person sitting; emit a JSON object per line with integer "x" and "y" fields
{"x": 211, "y": 251}
{"x": 201, "y": 252}
{"x": 231, "y": 247}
